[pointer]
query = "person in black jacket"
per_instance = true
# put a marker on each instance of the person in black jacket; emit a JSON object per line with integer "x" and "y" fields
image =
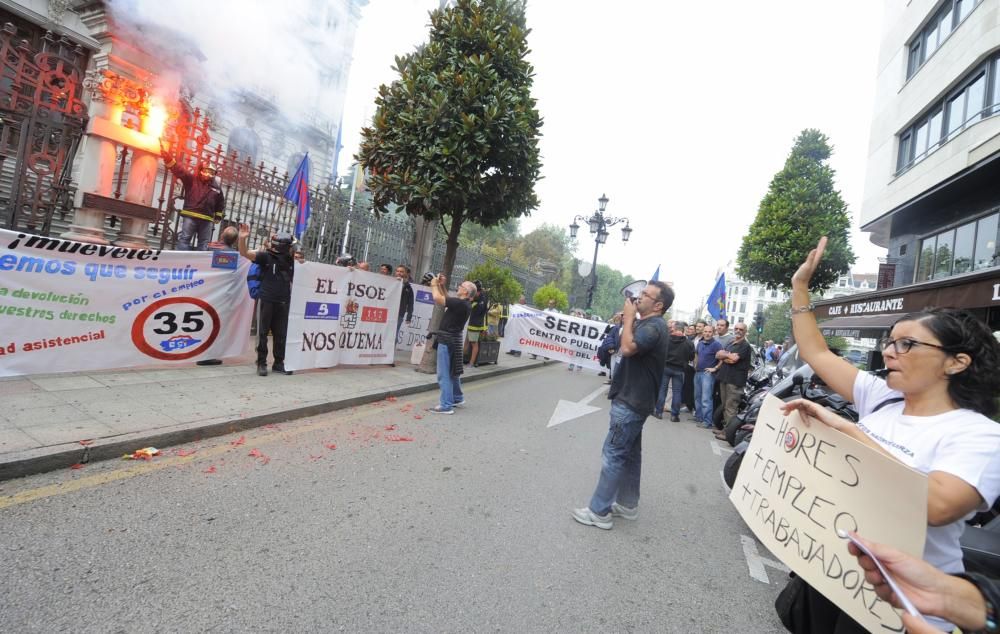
{"x": 405, "y": 299}
{"x": 680, "y": 351}
{"x": 277, "y": 268}
{"x": 204, "y": 203}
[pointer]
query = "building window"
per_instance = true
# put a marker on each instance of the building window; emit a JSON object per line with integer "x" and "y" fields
{"x": 971, "y": 246}
{"x": 944, "y": 20}
{"x": 986, "y": 242}
{"x": 965, "y": 240}
{"x": 964, "y": 106}
{"x": 743, "y": 307}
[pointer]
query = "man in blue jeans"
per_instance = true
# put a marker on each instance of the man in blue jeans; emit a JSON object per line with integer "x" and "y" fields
{"x": 634, "y": 387}
{"x": 680, "y": 351}
{"x": 448, "y": 341}
{"x": 704, "y": 376}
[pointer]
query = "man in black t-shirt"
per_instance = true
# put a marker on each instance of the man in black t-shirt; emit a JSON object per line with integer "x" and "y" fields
{"x": 733, "y": 373}
{"x": 634, "y": 388}
{"x": 448, "y": 341}
{"x": 276, "y": 271}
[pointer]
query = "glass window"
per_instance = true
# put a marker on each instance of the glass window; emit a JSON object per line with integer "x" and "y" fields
{"x": 964, "y": 240}
{"x": 920, "y": 144}
{"x": 760, "y": 293}
{"x": 934, "y": 133}
{"x": 914, "y": 62}
{"x": 965, "y": 8}
{"x": 743, "y": 307}
{"x": 931, "y": 41}
{"x": 905, "y": 150}
{"x": 986, "y": 241}
{"x": 926, "y": 259}
{"x": 956, "y": 112}
{"x": 974, "y": 103}
{"x": 996, "y": 86}
{"x": 944, "y": 255}
{"x": 947, "y": 24}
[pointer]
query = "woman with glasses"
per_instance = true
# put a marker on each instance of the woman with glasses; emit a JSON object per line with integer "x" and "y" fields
{"x": 931, "y": 412}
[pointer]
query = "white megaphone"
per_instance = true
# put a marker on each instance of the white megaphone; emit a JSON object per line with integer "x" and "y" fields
{"x": 632, "y": 290}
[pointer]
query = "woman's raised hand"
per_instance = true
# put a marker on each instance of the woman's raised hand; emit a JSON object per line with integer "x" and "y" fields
{"x": 805, "y": 272}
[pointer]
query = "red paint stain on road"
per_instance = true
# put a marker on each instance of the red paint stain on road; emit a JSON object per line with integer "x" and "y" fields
{"x": 86, "y": 443}
{"x": 330, "y": 445}
{"x": 210, "y": 469}
{"x": 183, "y": 453}
{"x": 399, "y": 439}
{"x": 390, "y": 428}
{"x": 257, "y": 453}
{"x": 76, "y": 466}
{"x": 239, "y": 441}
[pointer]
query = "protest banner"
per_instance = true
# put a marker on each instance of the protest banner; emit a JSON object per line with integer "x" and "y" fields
{"x": 799, "y": 484}
{"x": 554, "y": 336}
{"x": 69, "y": 306}
{"x": 341, "y": 316}
{"x": 416, "y": 330}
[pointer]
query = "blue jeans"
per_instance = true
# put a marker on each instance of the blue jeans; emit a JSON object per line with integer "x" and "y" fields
{"x": 704, "y": 382}
{"x": 675, "y": 376}
{"x": 451, "y": 387}
{"x": 191, "y": 227}
{"x": 621, "y": 461}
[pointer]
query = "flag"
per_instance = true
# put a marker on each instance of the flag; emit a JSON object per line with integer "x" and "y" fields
{"x": 656, "y": 276}
{"x": 359, "y": 178}
{"x": 717, "y": 300}
{"x": 298, "y": 193}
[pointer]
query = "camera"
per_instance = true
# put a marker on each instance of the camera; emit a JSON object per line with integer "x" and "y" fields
{"x": 346, "y": 260}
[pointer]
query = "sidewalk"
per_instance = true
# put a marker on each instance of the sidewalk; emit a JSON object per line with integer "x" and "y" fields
{"x": 44, "y": 417}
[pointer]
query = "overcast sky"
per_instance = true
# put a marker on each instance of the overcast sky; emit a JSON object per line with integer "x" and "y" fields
{"x": 680, "y": 112}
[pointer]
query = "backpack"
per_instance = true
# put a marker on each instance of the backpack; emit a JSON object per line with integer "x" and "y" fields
{"x": 253, "y": 281}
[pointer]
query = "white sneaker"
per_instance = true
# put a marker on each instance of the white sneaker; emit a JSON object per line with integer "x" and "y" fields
{"x": 624, "y": 512}
{"x": 438, "y": 410}
{"x": 460, "y": 403}
{"x": 589, "y": 518}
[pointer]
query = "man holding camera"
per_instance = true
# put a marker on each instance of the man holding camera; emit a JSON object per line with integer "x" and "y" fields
{"x": 634, "y": 388}
{"x": 277, "y": 268}
{"x": 448, "y": 341}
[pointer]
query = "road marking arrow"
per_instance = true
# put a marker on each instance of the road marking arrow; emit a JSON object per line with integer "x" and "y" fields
{"x": 568, "y": 410}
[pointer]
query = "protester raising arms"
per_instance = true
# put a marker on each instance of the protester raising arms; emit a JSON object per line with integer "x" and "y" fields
{"x": 931, "y": 412}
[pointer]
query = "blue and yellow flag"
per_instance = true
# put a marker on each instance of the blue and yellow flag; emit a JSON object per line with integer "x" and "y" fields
{"x": 298, "y": 193}
{"x": 717, "y": 300}
{"x": 656, "y": 275}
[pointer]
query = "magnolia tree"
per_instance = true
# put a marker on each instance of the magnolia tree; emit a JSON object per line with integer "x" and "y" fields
{"x": 799, "y": 208}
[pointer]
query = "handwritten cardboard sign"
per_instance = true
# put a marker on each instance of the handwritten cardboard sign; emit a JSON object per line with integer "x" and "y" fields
{"x": 799, "y": 484}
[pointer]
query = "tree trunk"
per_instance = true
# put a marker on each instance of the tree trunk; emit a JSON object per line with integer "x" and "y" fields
{"x": 428, "y": 364}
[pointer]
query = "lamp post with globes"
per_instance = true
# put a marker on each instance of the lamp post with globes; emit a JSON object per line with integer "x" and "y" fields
{"x": 599, "y": 224}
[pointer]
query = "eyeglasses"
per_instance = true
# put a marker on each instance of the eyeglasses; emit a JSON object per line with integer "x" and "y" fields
{"x": 902, "y": 346}
{"x": 655, "y": 299}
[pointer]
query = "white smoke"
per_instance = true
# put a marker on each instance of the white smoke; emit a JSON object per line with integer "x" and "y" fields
{"x": 294, "y": 53}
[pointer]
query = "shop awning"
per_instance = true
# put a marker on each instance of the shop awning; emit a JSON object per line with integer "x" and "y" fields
{"x": 859, "y": 326}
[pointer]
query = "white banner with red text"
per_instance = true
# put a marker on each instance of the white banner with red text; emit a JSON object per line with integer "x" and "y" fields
{"x": 554, "y": 336}
{"x": 416, "y": 330}
{"x": 341, "y": 316}
{"x": 69, "y": 306}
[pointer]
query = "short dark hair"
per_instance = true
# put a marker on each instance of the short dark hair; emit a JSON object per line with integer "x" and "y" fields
{"x": 680, "y": 325}
{"x": 723, "y": 319}
{"x": 961, "y": 332}
{"x": 405, "y": 268}
{"x": 700, "y": 322}
{"x": 666, "y": 295}
{"x": 386, "y": 265}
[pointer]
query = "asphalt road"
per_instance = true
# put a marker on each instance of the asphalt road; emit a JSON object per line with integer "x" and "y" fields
{"x": 387, "y": 518}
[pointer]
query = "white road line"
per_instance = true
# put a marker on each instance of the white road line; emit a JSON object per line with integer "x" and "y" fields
{"x": 588, "y": 398}
{"x": 755, "y": 563}
{"x": 717, "y": 449}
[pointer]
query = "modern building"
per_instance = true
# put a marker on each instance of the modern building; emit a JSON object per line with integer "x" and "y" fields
{"x": 931, "y": 195}
{"x": 745, "y": 298}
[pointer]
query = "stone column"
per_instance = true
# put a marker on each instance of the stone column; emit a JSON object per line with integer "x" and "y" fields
{"x": 97, "y": 171}
{"x": 139, "y": 190}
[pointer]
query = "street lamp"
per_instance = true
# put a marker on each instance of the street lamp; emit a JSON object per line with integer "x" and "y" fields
{"x": 598, "y": 224}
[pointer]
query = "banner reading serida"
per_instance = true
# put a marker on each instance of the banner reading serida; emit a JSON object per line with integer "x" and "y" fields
{"x": 339, "y": 316}
{"x": 68, "y": 306}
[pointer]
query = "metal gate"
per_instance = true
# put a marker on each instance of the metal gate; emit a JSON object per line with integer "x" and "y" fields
{"x": 42, "y": 120}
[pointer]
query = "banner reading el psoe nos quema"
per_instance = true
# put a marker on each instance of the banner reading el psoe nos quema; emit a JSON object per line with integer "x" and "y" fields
{"x": 68, "y": 306}
{"x": 341, "y": 316}
{"x": 416, "y": 330}
{"x": 554, "y": 336}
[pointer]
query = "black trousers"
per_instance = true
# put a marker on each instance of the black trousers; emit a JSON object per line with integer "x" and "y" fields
{"x": 502, "y": 326}
{"x": 687, "y": 393}
{"x": 273, "y": 317}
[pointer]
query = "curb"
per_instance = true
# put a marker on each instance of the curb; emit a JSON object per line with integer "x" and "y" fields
{"x": 45, "y": 459}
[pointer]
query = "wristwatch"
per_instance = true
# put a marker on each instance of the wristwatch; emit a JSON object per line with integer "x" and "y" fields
{"x": 803, "y": 309}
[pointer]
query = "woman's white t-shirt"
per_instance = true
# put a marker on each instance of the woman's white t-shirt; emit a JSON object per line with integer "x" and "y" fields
{"x": 961, "y": 442}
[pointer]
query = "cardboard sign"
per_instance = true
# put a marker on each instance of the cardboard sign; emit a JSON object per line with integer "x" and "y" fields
{"x": 340, "y": 316}
{"x": 69, "y": 306}
{"x": 554, "y": 336}
{"x": 799, "y": 484}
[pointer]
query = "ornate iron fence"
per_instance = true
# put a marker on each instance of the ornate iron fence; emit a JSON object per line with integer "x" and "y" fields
{"x": 42, "y": 119}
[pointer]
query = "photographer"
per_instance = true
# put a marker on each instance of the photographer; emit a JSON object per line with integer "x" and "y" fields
{"x": 448, "y": 341}
{"x": 277, "y": 267}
